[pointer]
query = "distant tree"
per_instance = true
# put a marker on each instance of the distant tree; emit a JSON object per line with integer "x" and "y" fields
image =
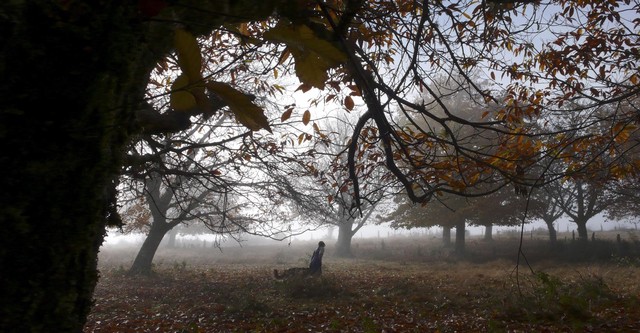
{"x": 448, "y": 211}
{"x": 161, "y": 204}
{"x": 232, "y": 184}
{"x": 334, "y": 184}
{"x": 590, "y": 174}
{"x": 454, "y": 96}
{"x": 500, "y": 208}
{"x": 626, "y": 190}
{"x": 545, "y": 206}
{"x": 627, "y": 205}
{"x": 179, "y": 181}
{"x": 582, "y": 200}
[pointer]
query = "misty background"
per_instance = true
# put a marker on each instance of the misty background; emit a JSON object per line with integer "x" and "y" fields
{"x": 116, "y": 238}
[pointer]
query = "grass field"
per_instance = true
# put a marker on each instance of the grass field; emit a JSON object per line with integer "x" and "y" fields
{"x": 391, "y": 285}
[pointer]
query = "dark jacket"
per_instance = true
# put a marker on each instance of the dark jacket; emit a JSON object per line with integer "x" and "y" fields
{"x": 315, "y": 266}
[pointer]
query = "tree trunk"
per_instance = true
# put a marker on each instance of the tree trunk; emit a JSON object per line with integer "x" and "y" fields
{"x": 144, "y": 260}
{"x": 446, "y": 236}
{"x": 343, "y": 245}
{"x": 488, "y": 232}
{"x": 69, "y": 85}
{"x": 460, "y": 246}
{"x": 553, "y": 235}
{"x": 582, "y": 230}
{"x": 171, "y": 240}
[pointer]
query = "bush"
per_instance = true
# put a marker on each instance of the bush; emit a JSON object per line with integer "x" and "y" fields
{"x": 551, "y": 299}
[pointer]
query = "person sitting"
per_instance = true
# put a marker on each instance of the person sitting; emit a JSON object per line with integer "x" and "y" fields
{"x": 315, "y": 266}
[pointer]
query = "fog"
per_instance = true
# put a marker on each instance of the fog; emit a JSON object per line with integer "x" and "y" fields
{"x": 115, "y": 238}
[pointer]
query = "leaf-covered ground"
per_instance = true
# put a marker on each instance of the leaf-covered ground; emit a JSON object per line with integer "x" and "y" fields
{"x": 367, "y": 295}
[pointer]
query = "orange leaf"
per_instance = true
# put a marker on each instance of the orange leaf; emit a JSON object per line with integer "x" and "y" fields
{"x": 306, "y": 117}
{"x": 286, "y": 115}
{"x": 348, "y": 103}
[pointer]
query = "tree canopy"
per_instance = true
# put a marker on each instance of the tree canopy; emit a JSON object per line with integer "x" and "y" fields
{"x": 386, "y": 53}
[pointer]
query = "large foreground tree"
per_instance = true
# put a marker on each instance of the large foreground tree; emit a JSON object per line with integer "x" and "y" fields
{"x": 73, "y": 92}
{"x": 74, "y": 78}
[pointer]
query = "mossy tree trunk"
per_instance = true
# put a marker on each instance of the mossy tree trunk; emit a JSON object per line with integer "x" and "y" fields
{"x": 70, "y": 81}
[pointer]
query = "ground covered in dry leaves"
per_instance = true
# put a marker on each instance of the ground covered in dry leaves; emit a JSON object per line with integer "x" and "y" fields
{"x": 203, "y": 293}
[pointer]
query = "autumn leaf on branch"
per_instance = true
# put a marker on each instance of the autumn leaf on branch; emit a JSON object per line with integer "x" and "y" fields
{"x": 622, "y": 132}
{"x": 189, "y": 57}
{"x": 247, "y": 113}
{"x": 348, "y": 103}
{"x": 313, "y": 56}
{"x": 187, "y": 90}
{"x": 306, "y": 117}
{"x": 310, "y": 68}
{"x": 181, "y": 98}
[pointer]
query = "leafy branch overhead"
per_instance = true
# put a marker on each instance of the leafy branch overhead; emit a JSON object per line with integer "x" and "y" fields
{"x": 398, "y": 52}
{"x": 188, "y": 90}
{"x": 247, "y": 113}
